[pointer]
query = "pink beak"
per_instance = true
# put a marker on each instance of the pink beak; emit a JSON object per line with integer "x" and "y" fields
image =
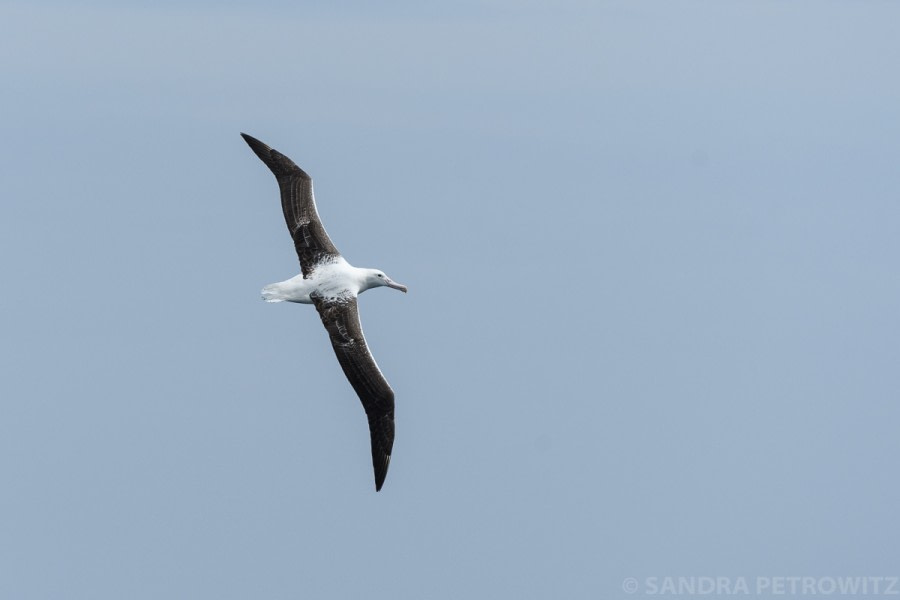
{"x": 393, "y": 284}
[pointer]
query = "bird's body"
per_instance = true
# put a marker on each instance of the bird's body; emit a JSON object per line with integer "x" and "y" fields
{"x": 332, "y": 284}
{"x": 330, "y": 280}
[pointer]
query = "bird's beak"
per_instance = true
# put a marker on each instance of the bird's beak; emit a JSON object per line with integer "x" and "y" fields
{"x": 393, "y": 284}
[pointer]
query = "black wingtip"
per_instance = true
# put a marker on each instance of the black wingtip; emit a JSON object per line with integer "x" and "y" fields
{"x": 381, "y": 464}
{"x": 251, "y": 140}
{"x": 261, "y": 150}
{"x": 277, "y": 162}
{"x": 381, "y": 429}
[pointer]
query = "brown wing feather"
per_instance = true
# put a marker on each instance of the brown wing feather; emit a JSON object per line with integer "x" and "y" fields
{"x": 299, "y": 206}
{"x": 341, "y": 319}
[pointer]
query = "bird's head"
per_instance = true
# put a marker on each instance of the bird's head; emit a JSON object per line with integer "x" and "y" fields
{"x": 375, "y": 278}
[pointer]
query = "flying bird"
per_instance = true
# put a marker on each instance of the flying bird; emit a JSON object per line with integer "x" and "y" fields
{"x": 332, "y": 285}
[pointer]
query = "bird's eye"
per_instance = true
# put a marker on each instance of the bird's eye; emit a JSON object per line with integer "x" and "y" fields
{"x": 380, "y": 275}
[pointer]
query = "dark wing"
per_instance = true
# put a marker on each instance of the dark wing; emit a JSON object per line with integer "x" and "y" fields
{"x": 341, "y": 319}
{"x": 310, "y": 239}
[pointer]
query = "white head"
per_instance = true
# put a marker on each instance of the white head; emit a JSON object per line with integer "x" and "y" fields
{"x": 376, "y": 278}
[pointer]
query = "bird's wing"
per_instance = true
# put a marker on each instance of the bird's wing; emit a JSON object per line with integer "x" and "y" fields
{"x": 310, "y": 238}
{"x": 341, "y": 318}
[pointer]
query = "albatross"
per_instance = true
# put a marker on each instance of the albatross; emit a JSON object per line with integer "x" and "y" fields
{"x": 332, "y": 285}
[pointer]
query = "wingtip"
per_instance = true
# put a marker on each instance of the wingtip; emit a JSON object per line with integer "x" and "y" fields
{"x": 381, "y": 429}
{"x": 277, "y": 162}
{"x": 381, "y": 469}
{"x": 254, "y": 143}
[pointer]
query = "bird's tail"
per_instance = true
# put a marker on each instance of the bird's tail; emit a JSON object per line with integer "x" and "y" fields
{"x": 272, "y": 293}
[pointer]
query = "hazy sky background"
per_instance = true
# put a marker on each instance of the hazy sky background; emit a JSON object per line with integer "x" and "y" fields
{"x": 652, "y": 328}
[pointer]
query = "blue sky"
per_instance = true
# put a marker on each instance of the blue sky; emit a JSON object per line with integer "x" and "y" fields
{"x": 652, "y": 326}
